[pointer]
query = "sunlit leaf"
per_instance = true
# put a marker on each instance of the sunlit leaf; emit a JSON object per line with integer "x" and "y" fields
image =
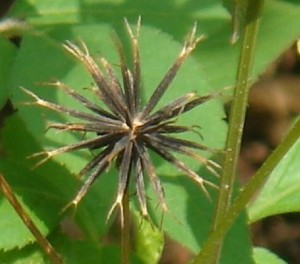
{"x": 262, "y": 256}
{"x": 281, "y": 192}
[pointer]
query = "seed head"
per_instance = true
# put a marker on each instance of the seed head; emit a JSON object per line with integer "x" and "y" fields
{"x": 126, "y": 132}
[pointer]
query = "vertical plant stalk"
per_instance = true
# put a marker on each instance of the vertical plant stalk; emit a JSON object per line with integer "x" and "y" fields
{"x": 42, "y": 241}
{"x": 236, "y": 123}
{"x": 125, "y": 232}
{"x": 253, "y": 186}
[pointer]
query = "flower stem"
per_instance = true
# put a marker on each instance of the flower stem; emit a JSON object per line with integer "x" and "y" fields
{"x": 125, "y": 232}
{"x": 236, "y": 123}
{"x": 255, "y": 184}
{"x": 43, "y": 242}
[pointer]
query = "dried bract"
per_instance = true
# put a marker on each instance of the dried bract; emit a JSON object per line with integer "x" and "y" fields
{"x": 127, "y": 130}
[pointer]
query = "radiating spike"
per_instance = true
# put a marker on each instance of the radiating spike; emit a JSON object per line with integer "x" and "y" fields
{"x": 188, "y": 47}
{"x": 71, "y": 112}
{"x": 164, "y": 113}
{"x": 42, "y": 161}
{"x": 136, "y": 64}
{"x": 81, "y": 99}
{"x": 164, "y": 153}
{"x": 124, "y": 173}
{"x": 140, "y": 188}
{"x": 108, "y": 95}
{"x": 150, "y": 170}
{"x": 87, "y": 184}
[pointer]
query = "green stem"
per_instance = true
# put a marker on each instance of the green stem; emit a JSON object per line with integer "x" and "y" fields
{"x": 236, "y": 123}
{"x": 255, "y": 184}
{"x": 125, "y": 232}
{"x": 43, "y": 242}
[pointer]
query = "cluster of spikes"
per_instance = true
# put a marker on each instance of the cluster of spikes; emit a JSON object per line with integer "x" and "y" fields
{"x": 125, "y": 130}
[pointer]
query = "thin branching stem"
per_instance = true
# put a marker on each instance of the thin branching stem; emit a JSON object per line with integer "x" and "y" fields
{"x": 246, "y": 196}
{"x": 42, "y": 241}
{"x": 236, "y": 123}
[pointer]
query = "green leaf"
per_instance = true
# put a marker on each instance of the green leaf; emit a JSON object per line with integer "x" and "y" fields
{"x": 276, "y": 14}
{"x": 149, "y": 241}
{"x": 57, "y": 64}
{"x": 30, "y": 254}
{"x": 213, "y": 20}
{"x": 262, "y": 256}
{"x": 40, "y": 196}
{"x": 214, "y": 64}
{"x": 24, "y": 134}
{"x": 281, "y": 192}
{"x": 44, "y": 191}
{"x": 47, "y": 12}
{"x": 7, "y": 55}
{"x": 71, "y": 251}
{"x": 190, "y": 216}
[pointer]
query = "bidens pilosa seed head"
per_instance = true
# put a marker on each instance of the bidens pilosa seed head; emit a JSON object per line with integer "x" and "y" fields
{"x": 125, "y": 130}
